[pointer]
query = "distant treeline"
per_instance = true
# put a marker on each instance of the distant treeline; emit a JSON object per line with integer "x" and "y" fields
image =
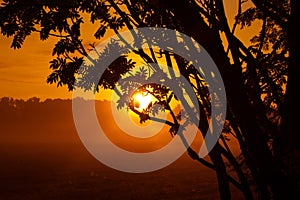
{"x": 9, "y": 103}
{"x": 32, "y": 110}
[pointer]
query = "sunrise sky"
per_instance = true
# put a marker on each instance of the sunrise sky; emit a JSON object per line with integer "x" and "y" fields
{"x": 23, "y": 72}
{"x": 48, "y": 148}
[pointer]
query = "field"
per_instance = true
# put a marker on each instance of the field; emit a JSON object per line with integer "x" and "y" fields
{"x": 42, "y": 157}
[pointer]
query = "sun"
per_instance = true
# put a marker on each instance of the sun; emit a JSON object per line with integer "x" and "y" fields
{"x": 142, "y": 100}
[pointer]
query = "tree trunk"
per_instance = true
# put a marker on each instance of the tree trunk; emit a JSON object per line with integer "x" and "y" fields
{"x": 292, "y": 98}
{"x": 223, "y": 182}
{"x": 289, "y": 148}
{"x": 194, "y": 25}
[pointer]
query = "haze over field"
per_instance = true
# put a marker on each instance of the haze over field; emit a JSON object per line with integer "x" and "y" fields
{"x": 42, "y": 157}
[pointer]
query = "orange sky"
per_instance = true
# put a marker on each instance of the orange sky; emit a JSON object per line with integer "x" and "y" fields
{"x": 23, "y": 72}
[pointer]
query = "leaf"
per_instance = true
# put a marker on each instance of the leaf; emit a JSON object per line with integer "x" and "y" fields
{"x": 18, "y": 40}
{"x": 54, "y": 64}
{"x": 63, "y": 46}
{"x": 144, "y": 117}
{"x": 75, "y": 29}
{"x": 100, "y": 32}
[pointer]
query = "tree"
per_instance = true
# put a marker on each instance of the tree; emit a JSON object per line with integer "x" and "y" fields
{"x": 255, "y": 77}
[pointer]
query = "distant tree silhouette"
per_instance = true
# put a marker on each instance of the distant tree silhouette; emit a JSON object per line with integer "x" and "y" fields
{"x": 259, "y": 79}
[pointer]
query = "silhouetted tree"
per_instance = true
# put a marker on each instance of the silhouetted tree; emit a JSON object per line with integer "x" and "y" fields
{"x": 256, "y": 77}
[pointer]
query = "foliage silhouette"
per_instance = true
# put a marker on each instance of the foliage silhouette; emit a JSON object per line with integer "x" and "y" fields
{"x": 255, "y": 76}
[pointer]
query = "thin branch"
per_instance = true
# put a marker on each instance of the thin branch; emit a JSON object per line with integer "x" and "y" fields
{"x": 162, "y": 121}
{"x": 236, "y": 20}
{"x": 262, "y": 38}
{"x": 52, "y": 34}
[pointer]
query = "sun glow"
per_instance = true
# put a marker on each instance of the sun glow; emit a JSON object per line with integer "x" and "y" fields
{"x": 142, "y": 101}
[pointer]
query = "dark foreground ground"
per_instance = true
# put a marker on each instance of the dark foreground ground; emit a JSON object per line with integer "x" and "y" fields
{"x": 43, "y": 158}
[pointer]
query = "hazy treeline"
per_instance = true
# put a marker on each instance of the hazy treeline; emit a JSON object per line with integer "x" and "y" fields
{"x": 34, "y": 117}
{"x": 11, "y": 108}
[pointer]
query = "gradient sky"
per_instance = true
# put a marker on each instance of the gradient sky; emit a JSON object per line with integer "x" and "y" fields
{"x": 23, "y": 72}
